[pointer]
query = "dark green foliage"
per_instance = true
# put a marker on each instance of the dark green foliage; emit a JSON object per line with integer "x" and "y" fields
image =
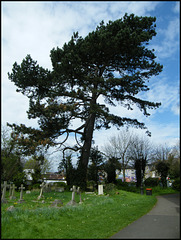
{"x": 151, "y": 182}
{"x": 110, "y": 188}
{"x": 129, "y": 187}
{"x": 174, "y": 166}
{"x": 11, "y": 159}
{"x": 36, "y": 175}
{"x": 176, "y": 184}
{"x": 83, "y": 70}
{"x": 81, "y": 176}
{"x": 19, "y": 179}
{"x": 96, "y": 161}
{"x": 110, "y": 168}
{"x": 66, "y": 164}
{"x": 60, "y": 184}
{"x": 139, "y": 166}
{"x": 36, "y": 186}
{"x": 163, "y": 167}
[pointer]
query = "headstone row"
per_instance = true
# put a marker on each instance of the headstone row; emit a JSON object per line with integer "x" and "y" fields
{"x": 12, "y": 188}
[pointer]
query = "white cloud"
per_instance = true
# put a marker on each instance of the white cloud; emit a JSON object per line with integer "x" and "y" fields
{"x": 36, "y": 27}
{"x": 176, "y": 8}
{"x": 169, "y": 45}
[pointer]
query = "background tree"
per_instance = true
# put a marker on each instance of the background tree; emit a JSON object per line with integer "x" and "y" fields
{"x": 110, "y": 168}
{"x": 67, "y": 166}
{"x": 11, "y": 160}
{"x": 32, "y": 163}
{"x": 161, "y": 152}
{"x": 83, "y": 70}
{"x": 140, "y": 153}
{"x": 163, "y": 167}
{"x": 174, "y": 162}
{"x": 118, "y": 148}
{"x": 96, "y": 163}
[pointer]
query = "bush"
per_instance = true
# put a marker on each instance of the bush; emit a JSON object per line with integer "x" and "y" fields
{"x": 110, "y": 188}
{"x": 59, "y": 184}
{"x": 129, "y": 187}
{"x": 151, "y": 182}
{"x": 36, "y": 186}
{"x": 176, "y": 184}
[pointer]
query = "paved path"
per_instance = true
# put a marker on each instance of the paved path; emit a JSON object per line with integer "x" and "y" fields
{"x": 162, "y": 222}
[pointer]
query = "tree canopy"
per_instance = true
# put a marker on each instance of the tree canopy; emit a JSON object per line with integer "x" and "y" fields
{"x": 112, "y": 62}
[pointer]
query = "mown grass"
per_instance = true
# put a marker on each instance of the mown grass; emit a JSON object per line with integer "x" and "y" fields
{"x": 97, "y": 217}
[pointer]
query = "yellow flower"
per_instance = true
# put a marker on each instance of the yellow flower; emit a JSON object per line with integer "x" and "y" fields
{"x": 15, "y": 203}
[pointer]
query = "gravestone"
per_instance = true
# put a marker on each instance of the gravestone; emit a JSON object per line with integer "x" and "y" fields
{"x": 10, "y": 209}
{"x": 21, "y": 194}
{"x": 47, "y": 188}
{"x": 79, "y": 192}
{"x": 12, "y": 193}
{"x": 73, "y": 202}
{"x": 3, "y": 197}
{"x": 2, "y": 186}
{"x": 57, "y": 203}
{"x": 41, "y": 190}
{"x": 10, "y": 189}
{"x": 100, "y": 190}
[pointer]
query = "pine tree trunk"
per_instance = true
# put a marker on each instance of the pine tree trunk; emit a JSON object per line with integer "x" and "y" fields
{"x": 84, "y": 158}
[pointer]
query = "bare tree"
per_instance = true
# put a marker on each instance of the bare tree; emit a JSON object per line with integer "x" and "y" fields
{"x": 140, "y": 153}
{"x": 161, "y": 152}
{"x": 118, "y": 147}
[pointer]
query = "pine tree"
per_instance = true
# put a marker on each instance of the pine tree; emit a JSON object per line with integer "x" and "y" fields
{"x": 83, "y": 70}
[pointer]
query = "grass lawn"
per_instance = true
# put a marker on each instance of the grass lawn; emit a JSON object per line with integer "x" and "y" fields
{"x": 97, "y": 217}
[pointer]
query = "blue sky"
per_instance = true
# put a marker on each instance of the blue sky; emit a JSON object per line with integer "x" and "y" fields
{"x": 36, "y": 27}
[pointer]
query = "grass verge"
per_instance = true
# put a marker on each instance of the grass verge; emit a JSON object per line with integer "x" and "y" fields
{"x": 97, "y": 217}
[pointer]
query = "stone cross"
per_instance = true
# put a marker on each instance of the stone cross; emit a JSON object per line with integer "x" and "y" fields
{"x": 12, "y": 193}
{"x": 79, "y": 192}
{"x": 3, "y": 198}
{"x": 21, "y": 193}
{"x": 43, "y": 185}
{"x": 10, "y": 189}
{"x": 2, "y": 186}
{"x": 73, "y": 202}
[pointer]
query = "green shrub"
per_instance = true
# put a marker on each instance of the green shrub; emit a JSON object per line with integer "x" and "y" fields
{"x": 129, "y": 187}
{"x": 59, "y": 184}
{"x": 36, "y": 186}
{"x": 176, "y": 184}
{"x": 151, "y": 182}
{"x": 110, "y": 188}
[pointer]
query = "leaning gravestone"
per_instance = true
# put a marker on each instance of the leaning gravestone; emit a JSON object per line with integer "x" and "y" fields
{"x": 12, "y": 193}
{"x": 47, "y": 188}
{"x": 41, "y": 191}
{"x": 100, "y": 190}
{"x": 21, "y": 194}
{"x": 3, "y": 198}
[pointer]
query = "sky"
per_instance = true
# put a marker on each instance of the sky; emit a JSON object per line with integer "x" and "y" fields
{"x": 36, "y": 27}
